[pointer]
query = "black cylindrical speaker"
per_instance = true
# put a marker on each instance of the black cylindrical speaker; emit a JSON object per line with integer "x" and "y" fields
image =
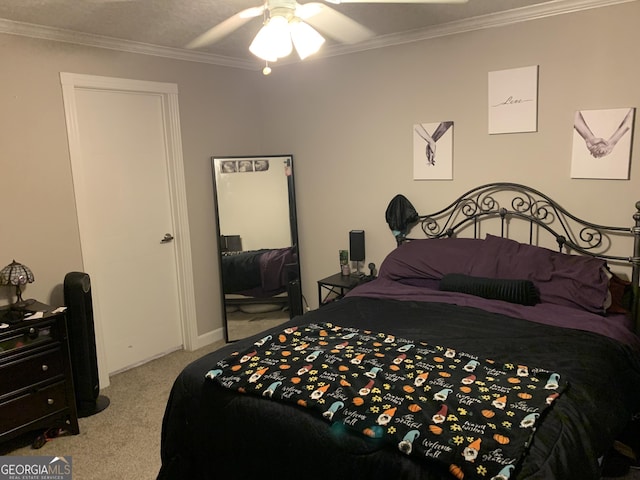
{"x": 82, "y": 344}
{"x": 356, "y": 245}
{"x": 295, "y": 298}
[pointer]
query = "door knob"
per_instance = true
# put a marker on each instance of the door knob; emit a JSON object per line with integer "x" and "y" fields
{"x": 167, "y": 238}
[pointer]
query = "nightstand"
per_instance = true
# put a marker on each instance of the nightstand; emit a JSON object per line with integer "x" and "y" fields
{"x": 336, "y": 286}
{"x": 36, "y": 385}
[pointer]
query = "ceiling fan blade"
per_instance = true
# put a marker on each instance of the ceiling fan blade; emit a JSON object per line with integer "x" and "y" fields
{"x": 396, "y": 1}
{"x": 225, "y": 28}
{"x": 335, "y": 24}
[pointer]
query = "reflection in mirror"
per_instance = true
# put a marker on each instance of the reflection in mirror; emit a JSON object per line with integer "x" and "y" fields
{"x": 258, "y": 242}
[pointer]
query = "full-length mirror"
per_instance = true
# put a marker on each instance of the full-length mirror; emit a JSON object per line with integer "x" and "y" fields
{"x": 258, "y": 242}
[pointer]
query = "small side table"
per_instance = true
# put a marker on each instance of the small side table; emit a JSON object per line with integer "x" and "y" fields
{"x": 336, "y": 286}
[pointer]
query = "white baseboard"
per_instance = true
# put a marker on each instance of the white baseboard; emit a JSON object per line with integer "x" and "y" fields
{"x": 209, "y": 338}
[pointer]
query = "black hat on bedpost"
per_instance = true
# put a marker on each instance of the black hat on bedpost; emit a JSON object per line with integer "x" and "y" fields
{"x": 400, "y": 215}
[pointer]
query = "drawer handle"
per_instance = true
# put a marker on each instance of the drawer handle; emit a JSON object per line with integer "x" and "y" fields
{"x": 45, "y": 367}
{"x": 50, "y": 401}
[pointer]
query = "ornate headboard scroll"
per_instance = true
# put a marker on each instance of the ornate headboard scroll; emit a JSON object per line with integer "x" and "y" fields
{"x": 507, "y": 201}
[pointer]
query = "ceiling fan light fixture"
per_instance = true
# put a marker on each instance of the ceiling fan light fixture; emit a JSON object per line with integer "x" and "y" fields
{"x": 308, "y": 10}
{"x": 305, "y": 38}
{"x": 273, "y": 41}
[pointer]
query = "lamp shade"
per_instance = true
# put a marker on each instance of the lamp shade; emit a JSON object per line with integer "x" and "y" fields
{"x": 273, "y": 41}
{"x": 305, "y": 38}
{"x": 16, "y": 274}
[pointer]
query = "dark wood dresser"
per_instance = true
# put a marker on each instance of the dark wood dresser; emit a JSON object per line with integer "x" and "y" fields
{"x": 36, "y": 385}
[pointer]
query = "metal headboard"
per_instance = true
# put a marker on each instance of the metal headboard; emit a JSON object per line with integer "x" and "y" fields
{"x": 506, "y": 201}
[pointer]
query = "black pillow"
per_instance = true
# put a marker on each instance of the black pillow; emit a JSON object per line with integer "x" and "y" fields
{"x": 522, "y": 292}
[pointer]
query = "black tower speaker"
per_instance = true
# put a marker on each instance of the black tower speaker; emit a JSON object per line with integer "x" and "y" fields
{"x": 294, "y": 292}
{"x": 82, "y": 344}
{"x": 356, "y": 245}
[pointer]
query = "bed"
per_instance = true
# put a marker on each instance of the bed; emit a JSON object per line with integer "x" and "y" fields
{"x": 472, "y": 355}
{"x": 257, "y": 276}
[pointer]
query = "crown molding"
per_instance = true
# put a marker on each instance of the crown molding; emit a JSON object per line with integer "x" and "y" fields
{"x": 509, "y": 17}
{"x": 79, "y": 38}
{"x": 493, "y": 20}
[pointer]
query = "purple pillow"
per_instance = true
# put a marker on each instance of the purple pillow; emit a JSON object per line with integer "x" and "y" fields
{"x": 429, "y": 258}
{"x": 571, "y": 280}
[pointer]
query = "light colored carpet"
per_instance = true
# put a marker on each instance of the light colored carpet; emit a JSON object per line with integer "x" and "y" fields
{"x": 123, "y": 441}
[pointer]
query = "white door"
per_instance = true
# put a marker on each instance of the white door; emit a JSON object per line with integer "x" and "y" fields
{"x": 121, "y": 171}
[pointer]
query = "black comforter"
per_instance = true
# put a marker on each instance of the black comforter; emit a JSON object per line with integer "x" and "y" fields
{"x": 210, "y": 432}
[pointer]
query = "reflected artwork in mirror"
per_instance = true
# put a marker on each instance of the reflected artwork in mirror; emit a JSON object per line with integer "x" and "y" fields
{"x": 258, "y": 242}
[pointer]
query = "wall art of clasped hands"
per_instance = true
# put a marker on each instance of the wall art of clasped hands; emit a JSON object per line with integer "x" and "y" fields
{"x": 598, "y": 146}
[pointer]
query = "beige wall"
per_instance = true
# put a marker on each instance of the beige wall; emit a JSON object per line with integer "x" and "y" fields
{"x": 347, "y": 120}
{"x": 349, "y": 125}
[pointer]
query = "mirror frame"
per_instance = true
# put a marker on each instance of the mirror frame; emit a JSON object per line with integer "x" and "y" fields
{"x": 294, "y": 288}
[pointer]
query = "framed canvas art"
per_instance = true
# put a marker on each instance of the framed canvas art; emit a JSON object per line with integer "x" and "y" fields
{"x": 433, "y": 151}
{"x": 602, "y": 143}
{"x": 513, "y": 100}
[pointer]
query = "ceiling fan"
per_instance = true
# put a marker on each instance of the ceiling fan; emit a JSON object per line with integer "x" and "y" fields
{"x": 288, "y": 24}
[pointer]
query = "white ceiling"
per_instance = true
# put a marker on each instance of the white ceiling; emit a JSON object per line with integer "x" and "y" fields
{"x": 164, "y": 27}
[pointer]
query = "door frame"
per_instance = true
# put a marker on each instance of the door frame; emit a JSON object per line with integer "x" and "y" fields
{"x": 71, "y": 82}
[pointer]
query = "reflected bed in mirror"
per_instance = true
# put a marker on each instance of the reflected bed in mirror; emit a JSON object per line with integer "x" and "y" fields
{"x": 258, "y": 242}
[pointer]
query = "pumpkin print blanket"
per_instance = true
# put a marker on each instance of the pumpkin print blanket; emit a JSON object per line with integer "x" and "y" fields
{"x": 475, "y": 415}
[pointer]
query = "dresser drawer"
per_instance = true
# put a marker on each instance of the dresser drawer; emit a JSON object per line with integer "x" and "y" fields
{"x": 36, "y": 382}
{"x": 30, "y": 370}
{"x": 24, "y": 337}
{"x": 32, "y": 406}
